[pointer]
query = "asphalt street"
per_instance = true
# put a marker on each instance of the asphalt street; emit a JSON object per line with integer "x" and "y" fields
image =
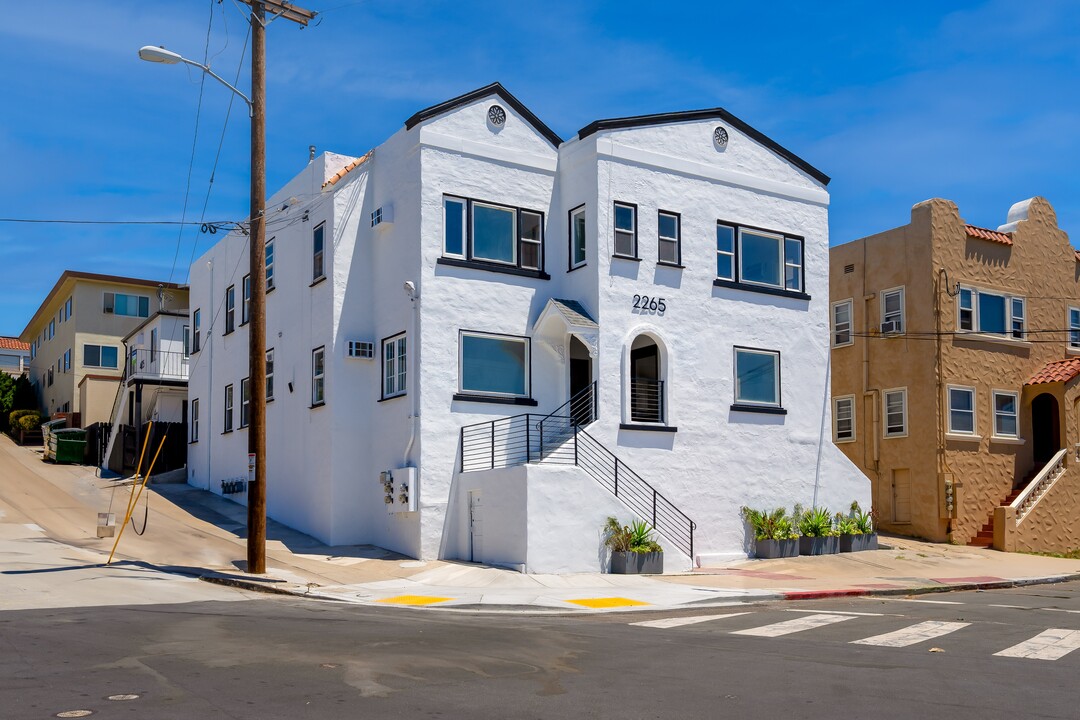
{"x": 993, "y": 654}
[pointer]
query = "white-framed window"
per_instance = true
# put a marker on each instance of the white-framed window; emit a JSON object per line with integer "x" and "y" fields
{"x": 269, "y": 264}
{"x": 153, "y": 344}
{"x": 844, "y": 418}
{"x": 1006, "y": 414}
{"x": 793, "y": 264}
{"x": 395, "y": 366}
{"x": 245, "y": 302}
{"x": 228, "y": 408}
{"x": 269, "y": 374}
{"x": 531, "y": 236}
{"x": 318, "y": 376}
{"x": 668, "y": 234}
{"x": 757, "y": 377}
{"x": 725, "y": 252}
{"x": 892, "y": 310}
{"x": 895, "y": 412}
{"x": 230, "y": 309}
{"x": 101, "y": 356}
{"x": 577, "y": 237}
{"x": 454, "y": 226}
{"x": 196, "y": 323}
{"x": 841, "y": 323}
{"x": 492, "y": 233}
{"x": 961, "y": 410}
{"x": 195, "y": 420}
{"x": 490, "y": 364}
{"x": 318, "y": 248}
{"x": 187, "y": 340}
{"x": 770, "y": 259}
{"x": 127, "y": 305}
{"x": 626, "y": 230}
{"x": 1074, "y": 328}
{"x": 994, "y": 313}
{"x": 245, "y": 402}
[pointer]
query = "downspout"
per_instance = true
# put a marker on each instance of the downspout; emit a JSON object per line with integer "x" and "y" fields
{"x": 939, "y": 382}
{"x": 414, "y": 415}
{"x": 210, "y": 381}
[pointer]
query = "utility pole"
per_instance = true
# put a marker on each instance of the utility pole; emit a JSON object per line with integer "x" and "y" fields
{"x": 256, "y": 519}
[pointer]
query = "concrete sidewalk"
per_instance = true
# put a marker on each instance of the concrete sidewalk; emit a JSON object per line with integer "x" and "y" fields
{"x": 201, "y": 534}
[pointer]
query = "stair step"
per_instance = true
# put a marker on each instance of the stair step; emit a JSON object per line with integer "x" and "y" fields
{"x": 981, "y": 542}
{"x": 986, "y": 533}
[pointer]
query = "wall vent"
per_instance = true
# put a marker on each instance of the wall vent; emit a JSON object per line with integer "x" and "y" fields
{"x": 363, "y": 349}
{"x": 382, "y": 215}
{"x": 849, "y": 268}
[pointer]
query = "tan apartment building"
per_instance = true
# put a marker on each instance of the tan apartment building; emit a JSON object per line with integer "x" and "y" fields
{"x": 955, "y": 366}
{"x": 76, "y": 339}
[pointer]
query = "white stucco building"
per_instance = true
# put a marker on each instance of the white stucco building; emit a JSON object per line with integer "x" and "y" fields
{"x": 475, "y": 271}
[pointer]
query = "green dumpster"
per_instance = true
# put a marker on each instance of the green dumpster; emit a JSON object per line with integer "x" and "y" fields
{"x": 68, "y": 445}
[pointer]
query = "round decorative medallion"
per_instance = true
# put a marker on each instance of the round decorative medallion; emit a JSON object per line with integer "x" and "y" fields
{"x": 496, "y": 115}
{"x": 719, "y": 136}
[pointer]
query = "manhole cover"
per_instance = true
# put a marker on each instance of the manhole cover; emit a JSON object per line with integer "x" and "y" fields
{"x": 123, "y": 697}
{"x": 74, "y": 713}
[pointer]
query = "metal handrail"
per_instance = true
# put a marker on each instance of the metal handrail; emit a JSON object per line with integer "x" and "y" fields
{"x": 157, "y": 364}
{"x": 1035, "y": 489}
{"x": 646, "y": 400}
{"x": 583, "y": 400}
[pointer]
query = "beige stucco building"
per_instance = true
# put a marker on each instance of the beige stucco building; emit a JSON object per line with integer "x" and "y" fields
{"x": 955, "y": 365}
{"x": 76, "y": 348}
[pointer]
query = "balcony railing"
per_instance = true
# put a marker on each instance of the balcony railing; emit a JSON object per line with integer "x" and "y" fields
{"x": 157, "y": 365}
{"x": 646, "y": 400}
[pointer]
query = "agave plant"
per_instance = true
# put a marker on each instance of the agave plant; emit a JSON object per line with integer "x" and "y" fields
{"x": 816, "y": 522}
{"x": 864, "y": 521}
{"x": 636, "y": 537}
{"x": 845, "y": 525}
{"x": 775, "y": 525}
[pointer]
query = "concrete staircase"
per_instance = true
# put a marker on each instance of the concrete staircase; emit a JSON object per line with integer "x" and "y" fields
{"x": 985, "y": 536}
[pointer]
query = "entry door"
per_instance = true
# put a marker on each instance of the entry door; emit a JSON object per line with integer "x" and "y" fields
{"x": 476, "y": 527}
{"x": 580, "y": 379}
{"x": 901, "y": 499}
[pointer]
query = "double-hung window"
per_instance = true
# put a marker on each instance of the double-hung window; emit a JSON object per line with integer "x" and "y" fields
{"x": 496, "y": 365}
{"x": 318, "y": 376}
{"x": 895, "y": 412}
{"x": 841, "y": 323}
{"x": 52, "y": 329}
{"x": 68, "y": 308}
{"x": 187, "y": 340}
{"x": 269, "y": 264}
{"x": 625, "y": 230}
{"x": 1005, "y": 414}
{"x": 577, "y": 237}
{"x": 1074, "y": 328}
{"x": 128, "y": 305}
{"x": 394, "y": 366}
{"x": 994, "y": 313}
{"x": 228, "y": 408}
{"x": 67, "y": 360}
{"x": 757, "y": 377}
{"x": 230, "y": 309}
{"x": 844, "y": 418}
{"x": 245, "y": 402}
{"x": 892, "y": 311}
{"x": 153, "y": 345}
{"x": 961, "y": 410}
{"x": 245, "y": 303}
{"x": 195, "y": 420}
{"x": 493, "y": 234}
{"x": 668, "y": 233}
{"x": 759, "y": 259}
{"x": 270, "y": 374}
{"x": 196, "y": 323}
{"x": 318, "y": 247}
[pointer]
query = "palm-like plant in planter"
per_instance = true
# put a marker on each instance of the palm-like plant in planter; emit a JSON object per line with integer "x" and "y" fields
{"x": 775, "y": 535}
{"x": 818, "y": 535}
{"x": 856, "y": 530}
{"x": 634, "y": 549}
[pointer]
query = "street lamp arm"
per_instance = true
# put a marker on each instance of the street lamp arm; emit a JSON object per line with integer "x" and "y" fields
{"x": 161, "y": 55}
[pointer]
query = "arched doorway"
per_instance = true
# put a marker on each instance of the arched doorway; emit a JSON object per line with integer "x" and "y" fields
{"x": 646, "y": 385}
{"x": 1045, "y": 428}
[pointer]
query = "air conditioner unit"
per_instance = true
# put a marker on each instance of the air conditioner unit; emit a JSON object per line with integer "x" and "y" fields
{"x": 363, "y": 349}
{"x": 891, "y": 327}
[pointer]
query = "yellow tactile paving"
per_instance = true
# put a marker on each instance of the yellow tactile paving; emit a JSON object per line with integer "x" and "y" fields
{"x": 607, "y": 602}
{"x": 414, "y": 600}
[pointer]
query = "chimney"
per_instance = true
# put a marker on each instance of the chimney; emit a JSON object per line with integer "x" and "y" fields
{"x": 311, "y": 152}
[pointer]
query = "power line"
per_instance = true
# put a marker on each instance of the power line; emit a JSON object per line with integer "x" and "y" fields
{"x": 211, "y": 227}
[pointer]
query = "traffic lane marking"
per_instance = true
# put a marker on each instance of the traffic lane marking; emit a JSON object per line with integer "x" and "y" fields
{"x": 793, "y": 626}
{"x": 1051, "y": 644}
{"x": 680, "y": 621}
{"x": 917, "y": 633}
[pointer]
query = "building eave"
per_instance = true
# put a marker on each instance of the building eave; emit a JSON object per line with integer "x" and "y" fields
{"x": 470, "y": 97}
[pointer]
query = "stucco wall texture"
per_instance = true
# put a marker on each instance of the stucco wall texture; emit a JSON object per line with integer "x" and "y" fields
{"x": 930, "y": 257}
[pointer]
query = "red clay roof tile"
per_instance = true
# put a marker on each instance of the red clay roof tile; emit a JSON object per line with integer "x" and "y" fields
{"x": 1056, "y": 371}
{"x": 348, "y": 168}
{"x": 10, "y": 343}
{"x": 991, "y": 235}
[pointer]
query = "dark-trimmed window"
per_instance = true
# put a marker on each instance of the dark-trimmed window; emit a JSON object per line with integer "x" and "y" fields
{"x": 318, "y": 248}
{"x": 755, "y": 258}
{"x": 318, "y": 376}
{"x": 483, "y": 232}
{"x": 196, "y": 323}
{"x": 245, "y": 302}
{"x": 625, "y": 230}
{"x": 269, "y": 264}
{"x": 578, "y": 237}
{"x": 230, "y": 309}
{"x": 228, "y": 408}
{"x": 757, "y": 377}
{"x": 195, "y": 420}
{"x": 245, "y": 402}
{"x": 668, "y": 233}
{"x": 496, "y": 365}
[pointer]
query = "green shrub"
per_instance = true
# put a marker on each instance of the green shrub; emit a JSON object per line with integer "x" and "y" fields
{"x": 15, "y": 415}
{"x": 636, "y": 537}
{"x": 30, "y": 422}
{"x": 775, "y": 525}
{"x": 815, "y": 522}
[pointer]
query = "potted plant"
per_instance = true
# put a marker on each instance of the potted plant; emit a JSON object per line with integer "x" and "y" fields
{"x": 816, "y": 527}
{"x": 634, "y": 550}
{"x": 774, "y": 533}
{"x": 856, "y": 530}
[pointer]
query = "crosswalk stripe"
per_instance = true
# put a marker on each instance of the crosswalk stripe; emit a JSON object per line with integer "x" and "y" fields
{"x": 915, "y": 634}
{"x": 680, "y": 621}
{"x": 1051, "y": 644}
{"x": 792, "y": 626}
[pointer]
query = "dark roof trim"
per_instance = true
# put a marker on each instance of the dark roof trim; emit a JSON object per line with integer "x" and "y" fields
{"x": 713, "y": 113}
{"x": 498, "y": 89}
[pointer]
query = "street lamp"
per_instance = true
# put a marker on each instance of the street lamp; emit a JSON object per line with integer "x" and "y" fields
{"x": 153, "y": 54}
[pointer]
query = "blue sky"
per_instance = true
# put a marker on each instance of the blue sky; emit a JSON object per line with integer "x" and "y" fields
{"x": 978, "y": 102}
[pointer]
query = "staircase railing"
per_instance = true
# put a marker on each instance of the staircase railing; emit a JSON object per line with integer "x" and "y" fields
{"x": 1039, "y": 486}
{"x": 646, "y": 400}
{"x": 581, "y": 408}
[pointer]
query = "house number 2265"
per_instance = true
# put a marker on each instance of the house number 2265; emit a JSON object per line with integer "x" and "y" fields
{"x": 650, "y": 304}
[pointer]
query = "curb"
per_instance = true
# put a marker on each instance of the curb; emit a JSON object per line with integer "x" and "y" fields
{"x": 253, "y": 585}
{"x": 926, "y": 589}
